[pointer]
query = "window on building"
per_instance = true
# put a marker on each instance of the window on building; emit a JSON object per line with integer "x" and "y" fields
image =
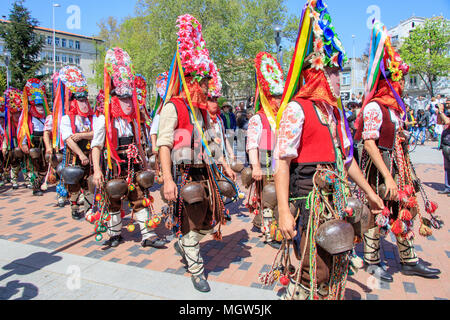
{"x": 57, "y": 42}
{"x": 77, "y": 45}
{"x": 49, "y": 56}
{"x": 346, "y": 78}
{"x": 70, "y": 59}
{"x": 413, "y": 25}
{"x": 64, "y": 58}
{"x": 77, "y": 60}
{"x": 63, "y": 43}
{"x": 71, "y": 44}
{"x": 49, "y": 40}
{"x": 57, "y": 58}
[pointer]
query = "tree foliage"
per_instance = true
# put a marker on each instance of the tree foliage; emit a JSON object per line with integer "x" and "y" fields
{"x": 427, "y": 51}
{"x": 22, "y": 43}
{"x": 234, "y": 31}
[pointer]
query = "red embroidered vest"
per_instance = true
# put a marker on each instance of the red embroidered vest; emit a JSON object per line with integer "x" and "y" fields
{"x": 183, "y": 135}
{"x": 387, "y": 131}
{"x": 267, "y": 142}
{"x": 316, "y": 144}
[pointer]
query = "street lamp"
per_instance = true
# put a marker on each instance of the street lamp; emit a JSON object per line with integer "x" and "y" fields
{"x": 55, "y": 5}
{"x": 278, "y": 36}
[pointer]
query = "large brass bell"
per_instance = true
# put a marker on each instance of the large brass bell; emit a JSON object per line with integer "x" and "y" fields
{"x": 335, "y": 237}
{"x": 116, "y": 188}
{"x": 153, "y": 162}
{"x": 246, "y": 177}
{"x": 226, "y": 189}
{"x": 72, "y": 175}
{"x": 193, "y": 193}
{"x": 237, "y": 166}
{"x": 145, "y": 179}
{"x": 269, "y": 196}
{"x": 18, "y": 153}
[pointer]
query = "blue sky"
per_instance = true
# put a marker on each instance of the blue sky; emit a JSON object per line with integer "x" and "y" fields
{"x": 349, "y": 16}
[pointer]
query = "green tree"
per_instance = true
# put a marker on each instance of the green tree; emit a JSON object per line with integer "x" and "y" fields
{"x": 3, "y": 81}
{"x": 234, "y": 31}
{"x": 426, "y": 50}
{"x": 23, "y": 44}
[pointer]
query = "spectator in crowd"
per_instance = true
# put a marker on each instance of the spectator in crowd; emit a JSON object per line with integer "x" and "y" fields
{"x": 444, "y": 120}
{"x": 421, "y": 103}
{"x": 410, "y": 119}
{"x": 251, "y": 103}
{"x": 228, "y": 117}
{"x": 423, "y": 121}
{"x": 407, "y": 100}
{"x": 359, "y": 98}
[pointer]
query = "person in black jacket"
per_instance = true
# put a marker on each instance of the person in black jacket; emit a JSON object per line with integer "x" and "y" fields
{"x": 423, "y": 121}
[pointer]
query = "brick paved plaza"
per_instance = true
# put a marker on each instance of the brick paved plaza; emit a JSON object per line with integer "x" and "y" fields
{"x": 237, "y": 260}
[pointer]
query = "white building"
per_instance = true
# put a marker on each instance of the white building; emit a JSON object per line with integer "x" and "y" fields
{"x": 414, "y": 85}
{"x": 352, "y": 78}
{"x": 71, "y": 49}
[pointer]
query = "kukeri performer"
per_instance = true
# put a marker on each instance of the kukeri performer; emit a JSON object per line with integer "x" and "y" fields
{"x": 386, "y": 163}
{"x": 31, "y": 132}
{"x": 260, "y": 146}
{"x": 126, "y": 175}
{"x": 13, "y": 155}
{"x": 73, "y": 133}
{"x": 182, "y": 138}
{"x": 314, "y": 161}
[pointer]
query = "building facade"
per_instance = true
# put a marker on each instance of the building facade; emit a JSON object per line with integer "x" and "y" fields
{"x": 352, "y": 78}
{"x": 71, "y": 49}
{"x": 414, "y": 85}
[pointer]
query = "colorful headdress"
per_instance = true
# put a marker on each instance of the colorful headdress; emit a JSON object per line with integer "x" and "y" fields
{"x": 120, "y": 69}
{"x": 34, "y": 94}
{"x": 161, "y": 89}
{"x": 13, "y": 104}
{"x": 100, "y": 103}
{"x": 161, "y": 84}
{"x": 74, "y": 79}
{"x": 194, "y": 55}
{"x": 384, "y": 64}
{"x": 119, "y": 76}
{"x": 70, "y": 83}
{"x": 215, "y": 84}
{"x": 317, "y": 47}
{"x": 141, "y": 89}
{"x": 2, "y": 104}
{"x": 13, "y": 100}
{"x": 269, "y": 83}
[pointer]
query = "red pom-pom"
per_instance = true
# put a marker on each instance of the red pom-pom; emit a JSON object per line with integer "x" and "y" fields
{"x": 284, "y": 281}
{"x": 256, "y": 212}
{"x": 412, "y": 202}
{"x": 349, "y": 212}
{"x": 386, "y": 212}
{"x": 397, "y": 227}
{"x": 409, "y": 190}
{"x": 405, "y": 215}
{"x": 402, "y": 196}
{"x": 431, "y": 207}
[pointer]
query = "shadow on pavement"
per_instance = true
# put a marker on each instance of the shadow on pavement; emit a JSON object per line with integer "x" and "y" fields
{"x": 435, "y": 186}
{"x": 235, "y": 254}
{"x": 25, "y": 266}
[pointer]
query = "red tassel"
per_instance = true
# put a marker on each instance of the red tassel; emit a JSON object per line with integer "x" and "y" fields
{"x": 405, "y": 215}
{"x": 409, "y": 190}
{"x": 217, "y": 236}
{"x": 431, "y": 207}
{"x": 402, "y": 196}
{"x": 386, "y": 212}
{"x": 397, "y": 227}
{"x": 349, "y": 212}
{"x": 412, "y": 202}
{"x": 284, "y": 281}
